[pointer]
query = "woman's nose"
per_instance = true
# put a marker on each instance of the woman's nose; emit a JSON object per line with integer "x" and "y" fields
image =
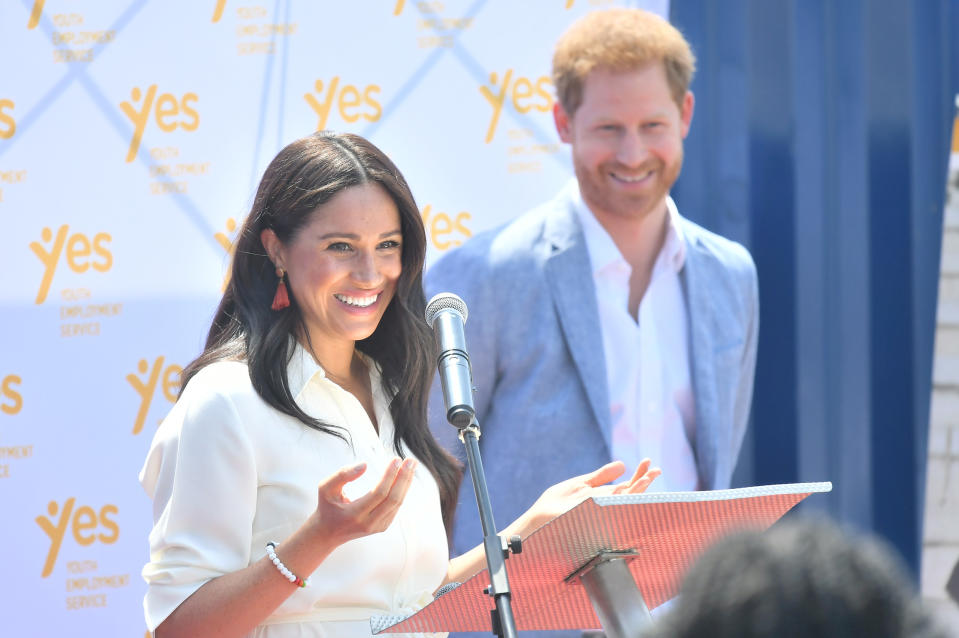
{"x": 365, "y": 269}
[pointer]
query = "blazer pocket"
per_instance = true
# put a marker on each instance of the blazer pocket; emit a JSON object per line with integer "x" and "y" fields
{"x": 729, "y": 347}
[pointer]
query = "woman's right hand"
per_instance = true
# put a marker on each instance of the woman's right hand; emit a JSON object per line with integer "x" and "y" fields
{"x": 235, "y": 603}
{"x": 342, "y": 519}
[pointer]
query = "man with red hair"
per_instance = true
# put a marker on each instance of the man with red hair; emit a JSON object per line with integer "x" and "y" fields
{"x": 606, "y": 325}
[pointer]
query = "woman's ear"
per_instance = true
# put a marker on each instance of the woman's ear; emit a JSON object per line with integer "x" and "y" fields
{"x": 273, "y": 246}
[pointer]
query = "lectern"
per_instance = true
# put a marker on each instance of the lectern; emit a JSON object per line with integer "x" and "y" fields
{"x": 607, "y": 561}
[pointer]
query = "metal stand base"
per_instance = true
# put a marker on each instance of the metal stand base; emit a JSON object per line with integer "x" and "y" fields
{"x": 615, "y": 597}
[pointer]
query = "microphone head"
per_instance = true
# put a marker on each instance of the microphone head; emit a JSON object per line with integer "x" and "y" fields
{"x": 445, "y": 301}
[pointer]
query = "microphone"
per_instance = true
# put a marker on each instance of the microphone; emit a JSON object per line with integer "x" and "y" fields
{"x": 446, "y": 314}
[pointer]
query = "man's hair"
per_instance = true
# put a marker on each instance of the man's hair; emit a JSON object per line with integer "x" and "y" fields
{"x": 619, "y": 40}
{"x": 800, "y": 579}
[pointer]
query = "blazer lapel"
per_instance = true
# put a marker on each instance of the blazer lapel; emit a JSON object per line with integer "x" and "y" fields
{"x": 570, "y": 277}
{"x": 708, "y": 341}
{"x": 701, "y": 364}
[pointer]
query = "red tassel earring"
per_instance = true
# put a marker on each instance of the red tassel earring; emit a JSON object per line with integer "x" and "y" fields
{"x": 281, "y": 299}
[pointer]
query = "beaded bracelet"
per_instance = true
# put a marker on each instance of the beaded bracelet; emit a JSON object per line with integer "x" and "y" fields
{"x": 290, "y": 576}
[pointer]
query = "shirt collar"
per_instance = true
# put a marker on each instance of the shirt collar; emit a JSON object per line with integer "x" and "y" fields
{"x": 603, "y": 252}
{"x": 302, "y": 369}
{"x": 673, "y": 253}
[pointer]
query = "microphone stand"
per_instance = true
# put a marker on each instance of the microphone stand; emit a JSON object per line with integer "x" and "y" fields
{"x": 446, "y": 314}
{"x": 503, "y": 622}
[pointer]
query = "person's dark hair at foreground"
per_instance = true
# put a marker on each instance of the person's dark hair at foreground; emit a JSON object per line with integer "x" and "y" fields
{"x": 798, "y": 579}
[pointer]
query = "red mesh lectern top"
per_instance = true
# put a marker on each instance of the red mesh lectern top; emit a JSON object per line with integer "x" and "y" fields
{"x": 668, "y": 530}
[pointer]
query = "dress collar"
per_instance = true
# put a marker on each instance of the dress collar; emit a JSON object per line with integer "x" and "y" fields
{"x": 303, "y": 368}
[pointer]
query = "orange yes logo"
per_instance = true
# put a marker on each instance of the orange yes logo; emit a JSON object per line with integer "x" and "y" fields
{"x": 35, "y": 13}
{"x": 78, "y": 249}
{"x": 7, "y": 391}
{"x": 525, "y": 95}
{"x": 227, "y": 241}
{"x": 348, "y": 103}
{"x": 595, "y": 3}
{"x": 167, "y": 108}
{"x": 146, "y": 387}
{"x": 440, "y": 225}
{"x": 84, "y": 523}
{"x": 8, "y": 125}
{"x": 426, "y": 7}
{"x": 218, "y": 10}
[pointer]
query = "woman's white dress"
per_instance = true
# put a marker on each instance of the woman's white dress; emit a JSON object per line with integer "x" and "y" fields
{"x": 227, "y": 474}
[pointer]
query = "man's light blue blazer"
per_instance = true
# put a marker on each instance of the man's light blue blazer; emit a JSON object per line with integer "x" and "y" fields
{"x": 536, "y": 350}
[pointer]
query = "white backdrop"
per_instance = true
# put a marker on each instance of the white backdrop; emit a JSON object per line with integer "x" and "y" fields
{"x": 132, "y": 137}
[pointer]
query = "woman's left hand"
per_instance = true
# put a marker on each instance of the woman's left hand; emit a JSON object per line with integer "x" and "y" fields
{"x": 564, "y": 496}
{"x": 642, "y": 478}
{"x": 555, "y": 501}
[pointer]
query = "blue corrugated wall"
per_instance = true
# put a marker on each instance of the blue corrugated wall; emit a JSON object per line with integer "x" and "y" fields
{"x": 820, "y": 140}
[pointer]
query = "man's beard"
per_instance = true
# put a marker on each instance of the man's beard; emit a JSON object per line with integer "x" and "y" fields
{"x": 601, "y": 194}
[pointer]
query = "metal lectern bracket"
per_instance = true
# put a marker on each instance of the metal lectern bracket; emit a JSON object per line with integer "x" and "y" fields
{"x": 616, "y": 599}
{"x": 601, "y": 557}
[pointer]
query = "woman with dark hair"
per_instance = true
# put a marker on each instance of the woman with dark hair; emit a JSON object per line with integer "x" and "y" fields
{"x": 316, "y": 372}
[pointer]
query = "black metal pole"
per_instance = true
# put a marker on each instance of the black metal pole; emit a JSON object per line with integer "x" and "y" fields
{"x": 496, "y": 552}
{"x": 446, "y": 314}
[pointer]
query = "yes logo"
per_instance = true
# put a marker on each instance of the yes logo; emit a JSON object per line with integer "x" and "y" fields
{"x": 86, "y": 524}
{"x": 425, "y": 7}
{"x": 78, "y": 250}
{"x": 226, "y": 241}
{"x": 7, "y": 392}
{"x": 525, "y": 95}
{"x": 8, "y": 125}
{"x": 146, "y": 387}
{"x": 166, "y": 109}
{"x": 348, "y": 103}
{"x": 218, "y": 10}
{"x": 595, "y": 3}
{"x": 440, "y": 225}
{"x": 35, "y": 14}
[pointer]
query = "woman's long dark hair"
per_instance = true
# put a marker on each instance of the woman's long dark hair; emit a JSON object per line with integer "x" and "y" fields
{"x": 301, "y": 178}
